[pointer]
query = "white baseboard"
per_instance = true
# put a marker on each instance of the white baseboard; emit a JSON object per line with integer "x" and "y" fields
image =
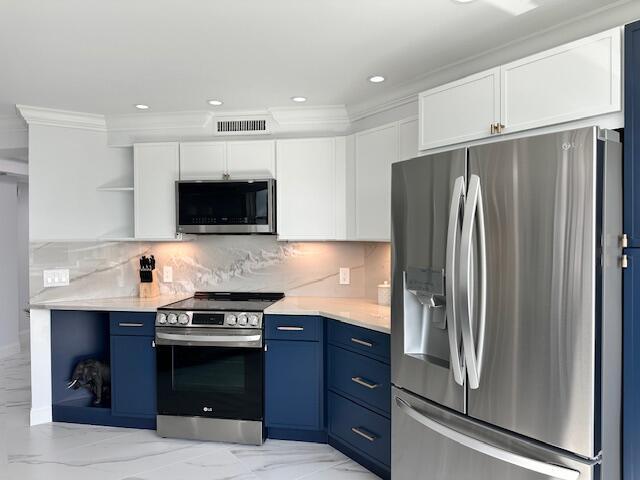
{"x": 8, "y": 350}
{"x": 39, "y": 416}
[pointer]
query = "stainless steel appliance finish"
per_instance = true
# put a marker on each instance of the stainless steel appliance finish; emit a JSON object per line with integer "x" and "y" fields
{"x": 224, "y": 222}
{"x": 533, "y": 289}
{"x": 422, "y": 331}
{"x": 210, "y": 363}
{"x": 447, "y": 446}
{"x": 210, "y": 429}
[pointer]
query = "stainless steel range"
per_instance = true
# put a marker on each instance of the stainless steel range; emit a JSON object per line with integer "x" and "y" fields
{"x": 210, "y": 367}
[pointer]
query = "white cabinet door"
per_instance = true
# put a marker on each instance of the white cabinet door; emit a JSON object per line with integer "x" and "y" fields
{"x": 375, "y": 150}
{"x": 407, "y": 139}
{"x": 306, "y": 174}
{"x": 202, "y": 160}
{"x": 574, "y": 81}
{"x": 459, "y": 111}
{"x": 155, "y": 171}
{"x": 251, "y": 159}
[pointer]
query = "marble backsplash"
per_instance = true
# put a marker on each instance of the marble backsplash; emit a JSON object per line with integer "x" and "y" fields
{"x": 223, "y": 263}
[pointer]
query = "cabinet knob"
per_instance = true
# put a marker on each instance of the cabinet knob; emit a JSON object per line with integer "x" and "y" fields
{"x": 493, "y": 128}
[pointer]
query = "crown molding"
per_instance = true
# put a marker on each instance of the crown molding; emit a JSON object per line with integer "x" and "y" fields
{"x": 159, "y": 121}
{"x": 62, "y": 118}
{"x": 333, "y": 118}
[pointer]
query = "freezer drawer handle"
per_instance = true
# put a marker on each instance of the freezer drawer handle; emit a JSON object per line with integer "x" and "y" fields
{"x": 362, "y": 342}
{"x": 364, "y": 434}
{"x": 473, "y": 352}
{"x": 364, "y": 383}
{"x": 291, "y": 329}
{"x": 451, "y": 275}
{"x": 550, "y": 470}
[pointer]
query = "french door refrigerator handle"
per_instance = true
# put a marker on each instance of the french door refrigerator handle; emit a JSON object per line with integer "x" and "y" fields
{"x": 473, "y": 210}
{"x": 543, "y": 468}
{"x": 457, "y": 199}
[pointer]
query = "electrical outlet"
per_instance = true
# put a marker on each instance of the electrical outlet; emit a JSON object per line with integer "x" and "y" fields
{"x": 56, "y": 278}
{"x": 345, "y": 275}
{"x": 167, "y": 274}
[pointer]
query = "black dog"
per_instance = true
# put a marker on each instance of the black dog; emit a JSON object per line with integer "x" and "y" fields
{"x": 95, "y": 376}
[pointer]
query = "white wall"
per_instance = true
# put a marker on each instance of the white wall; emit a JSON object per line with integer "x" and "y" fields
{"x": 9, "y": 291}
{"x": 23, "y": 254}
{"x": 66, "y": 166}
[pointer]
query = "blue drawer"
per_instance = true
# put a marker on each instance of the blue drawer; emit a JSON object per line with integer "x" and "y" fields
{"x": 361, "y": 340}
{"x": 132, "y": 323}
{"x": 362, "y": 378}
{"x": 359, "y": 427}
{"x": 293, "y": 327}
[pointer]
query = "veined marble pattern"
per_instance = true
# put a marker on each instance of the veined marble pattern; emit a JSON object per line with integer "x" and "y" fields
{"x": 224, "y": 263}
{"x": 61, "y": 451}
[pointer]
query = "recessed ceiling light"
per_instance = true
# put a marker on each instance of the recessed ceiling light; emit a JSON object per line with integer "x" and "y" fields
{"x": 376, "y": 79}
{"x": 299, "y": 99}
{"x": 215, "y": 103}
{"x": 142, "y": 106}
{"x": 463, "y": 1}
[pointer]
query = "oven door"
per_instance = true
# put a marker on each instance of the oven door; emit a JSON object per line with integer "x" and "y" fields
{"x": 224, "y": 206}
{"x": 210, "y": 373}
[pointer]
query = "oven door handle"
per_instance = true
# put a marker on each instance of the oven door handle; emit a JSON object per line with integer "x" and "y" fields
{"x": 250, "y": 341}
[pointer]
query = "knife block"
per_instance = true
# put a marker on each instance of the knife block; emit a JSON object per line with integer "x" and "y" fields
{"x": 150, "y": 289}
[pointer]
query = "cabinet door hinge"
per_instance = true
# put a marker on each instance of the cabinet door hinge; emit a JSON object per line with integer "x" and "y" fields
{"x": 624, "y": 261}
{"x": 624, "y": 240}
{"x": 266, "y": 348}
{"x": 153, "y": 343}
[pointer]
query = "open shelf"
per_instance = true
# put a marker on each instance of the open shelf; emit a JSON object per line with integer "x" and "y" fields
{"x": 115, "y": 189}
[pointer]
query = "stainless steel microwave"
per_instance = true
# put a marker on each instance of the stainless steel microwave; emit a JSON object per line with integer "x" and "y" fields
{"x": 226, "y": 206}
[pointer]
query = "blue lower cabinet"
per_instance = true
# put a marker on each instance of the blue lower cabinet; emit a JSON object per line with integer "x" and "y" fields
{"x": 294, "y": 390}
{"x": 361, "y": 430}
{"x": 133, "y": 376}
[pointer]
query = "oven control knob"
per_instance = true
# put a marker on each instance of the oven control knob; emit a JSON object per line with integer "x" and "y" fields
{"x": 242, "y": 319}
{"x": 161, "y": 318}
{"x": 253, "y": 320}
{"x": 183, "y": 319}
{"x": 172, "y": 318}
{"x": 231, "y": 319}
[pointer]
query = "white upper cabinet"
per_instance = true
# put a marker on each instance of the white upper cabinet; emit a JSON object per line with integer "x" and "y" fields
{"x": 202, "y": 160}
{"x": 251, "y": 159}
{"x": 213, "y": 160}
{"x": 577, "y": 80}
{"x": 460, "y": 111}
{"x": 155, "y": 171}
{"x": 574, "y": 81}
{"x": 306, "y": 189}
{"x": 407, "y": 139}
{"x": 375, "y": 150}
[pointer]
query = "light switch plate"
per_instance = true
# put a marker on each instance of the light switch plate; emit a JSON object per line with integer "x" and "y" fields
{"x": 56, "y": 278}
{"x": 345, "y": 275}
{"x": 167, "y": 274}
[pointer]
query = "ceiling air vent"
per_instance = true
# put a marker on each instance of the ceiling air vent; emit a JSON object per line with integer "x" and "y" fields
{"x": 242, "y": 127}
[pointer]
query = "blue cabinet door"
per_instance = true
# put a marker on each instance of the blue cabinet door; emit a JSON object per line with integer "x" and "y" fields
{"x": 133, "y": 376}
{"x": 631, "y": 366}
{"x": 632, "y": 135}
{"x": 294, "y": 385}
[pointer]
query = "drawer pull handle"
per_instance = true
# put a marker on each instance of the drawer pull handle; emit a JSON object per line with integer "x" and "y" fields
{"x": 126, "y": 324}
{"x": 364, "y": 383}
{"x": 362, "y": 342}
{"x": 291, "y": 329}
{"x": 364, "y": 434}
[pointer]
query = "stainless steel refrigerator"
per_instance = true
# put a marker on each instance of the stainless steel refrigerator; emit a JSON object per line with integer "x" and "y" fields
{"x": 506, "y": 310}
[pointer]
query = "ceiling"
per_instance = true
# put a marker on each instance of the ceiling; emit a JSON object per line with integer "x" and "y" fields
{"x": 106, "y": 56}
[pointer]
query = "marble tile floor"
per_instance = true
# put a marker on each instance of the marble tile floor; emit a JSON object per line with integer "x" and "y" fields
{"x": 61, "y": 451}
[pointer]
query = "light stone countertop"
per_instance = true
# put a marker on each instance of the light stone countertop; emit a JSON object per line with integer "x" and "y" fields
{"x": 361, "y": 312}
{"x": 118, "y": 304}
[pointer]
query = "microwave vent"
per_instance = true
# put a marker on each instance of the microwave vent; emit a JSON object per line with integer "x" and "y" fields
{"x": 242, "y": 127}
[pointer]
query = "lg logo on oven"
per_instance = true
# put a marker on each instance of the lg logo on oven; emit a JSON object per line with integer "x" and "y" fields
{"x": 207, "y": 409}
